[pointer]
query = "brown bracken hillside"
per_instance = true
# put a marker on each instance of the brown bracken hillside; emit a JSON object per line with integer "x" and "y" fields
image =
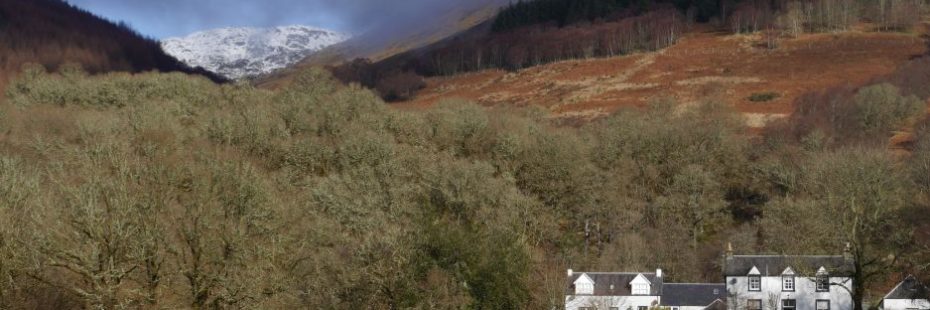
{"x": 760, "y": 82}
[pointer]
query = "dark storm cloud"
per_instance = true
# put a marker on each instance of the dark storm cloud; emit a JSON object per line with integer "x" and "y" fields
{"x": 164, "y": 18}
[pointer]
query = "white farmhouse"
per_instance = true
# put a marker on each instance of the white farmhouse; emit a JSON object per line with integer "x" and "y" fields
{"x": 907, "y": 295}
{"x": 782, "y": 282}
{"x": 752, "y": 282}
{"x": 639, "y": 291}
{"x": 613, "y": 290}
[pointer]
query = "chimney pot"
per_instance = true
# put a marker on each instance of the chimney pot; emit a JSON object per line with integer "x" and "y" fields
{"x": 570, "y": 272}
{"x": 658, "y": 273}
{"x": 847, "y": 252}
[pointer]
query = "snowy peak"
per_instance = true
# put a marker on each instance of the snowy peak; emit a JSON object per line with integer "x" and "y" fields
{"x": 247, "y": 52}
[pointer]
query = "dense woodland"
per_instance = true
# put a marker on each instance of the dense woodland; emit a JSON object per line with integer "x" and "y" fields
{"x": 169, "y": 191}
{"x": 53, "y": 32}
{"x": 536, "y": 32}
{"x": 563, "y": 13}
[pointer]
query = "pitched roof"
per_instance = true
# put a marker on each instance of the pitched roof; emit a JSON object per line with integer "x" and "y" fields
{"x": 614, "y": 283}
{"x": 719, "y": 304}
{"x": 693, "y": 294}
{"x": 910, "y": 288}
{"x": 773, "y": 265}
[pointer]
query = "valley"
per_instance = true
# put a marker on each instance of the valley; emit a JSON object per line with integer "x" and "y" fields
{"x": 471, "y": 154}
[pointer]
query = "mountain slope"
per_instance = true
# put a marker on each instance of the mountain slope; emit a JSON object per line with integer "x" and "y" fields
{"x": 248, "y": 52}
{"x": 705, "y": 63}
{"x": 53, "y": 32}
{"x": 392, "y": 40}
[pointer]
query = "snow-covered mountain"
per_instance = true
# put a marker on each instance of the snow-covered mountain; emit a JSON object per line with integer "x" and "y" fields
{"x": 247, "y": 52}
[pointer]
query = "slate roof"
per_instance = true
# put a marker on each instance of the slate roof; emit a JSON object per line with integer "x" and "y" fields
{"x": 773, "y": 265}
{"x": 717, "y": 305}
{"x": 910, "y": 288}
{"x": 619, "y": 280}
{"x": 693, "y": 294}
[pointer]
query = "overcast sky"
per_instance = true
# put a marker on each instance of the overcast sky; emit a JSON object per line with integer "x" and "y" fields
{"x": 168, "y": 18}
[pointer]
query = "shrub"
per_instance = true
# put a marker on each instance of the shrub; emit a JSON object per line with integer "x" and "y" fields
{"x": 920, "y": 160}
{"x": 763, "y": 97}
{"x": 16, "y": 185}
{"x": 72, "y": 87}
{"x": 881, "y": 108}
{"x": 845, "y": 115}
{"x": 461, "y": 128}
{"x": 912, "y": 78}
{"x": 400, "y": 86}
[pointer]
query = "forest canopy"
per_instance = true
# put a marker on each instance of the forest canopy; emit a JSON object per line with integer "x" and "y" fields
{"x": 568, "y": 12}
{"x": 169, "y": 191}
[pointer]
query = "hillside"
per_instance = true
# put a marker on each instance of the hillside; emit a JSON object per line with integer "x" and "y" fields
{"x": 734, "y": 67}
{"x": 391, "y": 40}
{"x": 583, "y": 61}
{"x": 52, "y": 33}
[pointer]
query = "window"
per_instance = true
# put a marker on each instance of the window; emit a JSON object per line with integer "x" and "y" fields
{"x": 640, "y": 289}
{"x": 755, "y": 283}
{"x": 823, "y": 283}
{"x": 675, "y": 308}
{"x": 823, "y": 304}
{"x": 754, "y": 304}
{"x": 642, "y": 308}
{"x": 584, "y": 288}
{"x": 787, "y": 283}
{"x": 788, "y": 304}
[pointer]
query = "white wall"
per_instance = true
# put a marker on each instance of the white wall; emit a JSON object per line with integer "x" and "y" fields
{"x": 903, "y": 304}
{"x": 805, "y": 293}
{"x": 573, "y": 302}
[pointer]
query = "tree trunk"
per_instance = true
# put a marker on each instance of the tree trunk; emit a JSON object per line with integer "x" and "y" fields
{"x": 858, "y": 289}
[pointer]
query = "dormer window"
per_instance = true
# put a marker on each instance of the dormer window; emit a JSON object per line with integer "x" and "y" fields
{"x": 755, "y": 279}
{"x": 584, "y": 289}
{"x": 787, "y": 280}
{"x": 755, "y": 283}
{"x": 823, "y": 280}
{"x": 787, "y": 283}
{"x": 584, "y": 285}
{"x": 640, "y": 285}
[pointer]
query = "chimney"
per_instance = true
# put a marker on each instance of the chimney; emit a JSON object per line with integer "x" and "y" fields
{"x": 727, "y": 256}
{"x": 570, "y": 272}
{"x": 847, "y": 253}
{"x": 658, "y": 273}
